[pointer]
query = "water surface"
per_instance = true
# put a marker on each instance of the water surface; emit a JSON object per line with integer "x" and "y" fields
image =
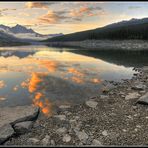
{"x": 44, "y": 76}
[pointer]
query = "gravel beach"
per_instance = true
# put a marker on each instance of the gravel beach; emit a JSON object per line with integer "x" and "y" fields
{"x": 117, "y": 45}
{"x": 117, "y": 117}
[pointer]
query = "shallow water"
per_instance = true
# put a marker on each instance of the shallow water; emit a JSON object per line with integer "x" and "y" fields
{"x": 44, "y": 76}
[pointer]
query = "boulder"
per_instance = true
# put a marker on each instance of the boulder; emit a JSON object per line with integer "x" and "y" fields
{"x": 143, "y": 99}
{"x": 133, "y": 95}
{"x": 13, "y": 115}
{"x": 23, "y": 127}
{"x": 6, "y": 132}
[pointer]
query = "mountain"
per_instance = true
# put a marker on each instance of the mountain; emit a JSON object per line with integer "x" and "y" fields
{"x": 9, "y": 40}
{"x": 22, "y": 32}
{"x": 132, "y": 21}
{"x": 131, "y": 29}
{"x": 20, "y": 29}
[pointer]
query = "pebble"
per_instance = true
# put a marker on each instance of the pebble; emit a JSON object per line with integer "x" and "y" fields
{"x": 64, "y": 106}
{"x": 104, "y": 133}
{"x": 103, "y": 96}
{"x": 52, "y": 142}
{"x": 34, "y": 140}
{"x": 91, "y": 103}
{"x": 96, "y": 142}
{"x": 66, "y": 138}
{"x": 82, "y": 135}
{"x": 45, "y": 141}
{"x": 61, "y": 117}
{"x": 61, "y": 130}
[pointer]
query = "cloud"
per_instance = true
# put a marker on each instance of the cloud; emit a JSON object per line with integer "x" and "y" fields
{"x": 43, "y": 5}
{"x": 53, "y": 17}
{"x": 4, "y": 10}
{"x": 67, "y": 15}
{"x": 85, "y": 11}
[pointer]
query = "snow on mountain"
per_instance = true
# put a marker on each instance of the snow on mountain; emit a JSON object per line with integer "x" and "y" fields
{"x": 22, "y": 32}
{"x": 132, "y": 21}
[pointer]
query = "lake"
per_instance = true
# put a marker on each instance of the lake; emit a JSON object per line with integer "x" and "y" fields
{"x": 46, "y": 76}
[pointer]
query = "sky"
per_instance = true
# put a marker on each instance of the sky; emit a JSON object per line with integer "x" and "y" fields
{"x": 48, "y": 17}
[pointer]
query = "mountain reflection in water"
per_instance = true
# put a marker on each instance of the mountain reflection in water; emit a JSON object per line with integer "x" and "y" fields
{"x": 46, "y": 77}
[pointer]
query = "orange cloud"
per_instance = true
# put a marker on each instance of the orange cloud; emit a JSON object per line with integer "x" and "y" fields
{"x": 50, "y": 65}
{"x": 39, "y": 100}
{"x": 35, "y": 80}
{"x": 81, "y": 11}
{"x": 53, "y": 17}
{"x": 36, "y": 5}
{"x": 50, "y": 17}
{"x": 38, "y": 95}
{"x": 77, "y": 80}
{"x": 74, "y": 71}
{"x": 86, "y": 11}
{"x": 44, "y": 104}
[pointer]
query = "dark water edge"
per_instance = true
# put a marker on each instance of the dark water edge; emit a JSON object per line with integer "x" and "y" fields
{"x": 125, "y": 58}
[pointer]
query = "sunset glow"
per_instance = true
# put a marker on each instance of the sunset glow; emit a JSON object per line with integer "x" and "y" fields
{"x": 67, "y": 17}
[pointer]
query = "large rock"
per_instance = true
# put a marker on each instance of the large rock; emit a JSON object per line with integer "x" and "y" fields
{"x": 17, "y": 114}
{"x": 143, "y": 99}
{"x": 133, "y": 95}
{"x": 6, "y": 132}
{"x": 23, "y": 127}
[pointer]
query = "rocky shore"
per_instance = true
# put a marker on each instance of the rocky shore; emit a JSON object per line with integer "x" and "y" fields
{"x": 117, "y": 117}
{"x": 134, "y": 45}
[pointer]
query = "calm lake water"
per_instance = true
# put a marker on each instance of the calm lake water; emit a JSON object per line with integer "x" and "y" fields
{"x": 45, "y": 76}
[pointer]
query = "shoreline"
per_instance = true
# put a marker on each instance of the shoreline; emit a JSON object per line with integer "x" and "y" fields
{"x": 116, "y": 117}
{"x": 132, "y": 45}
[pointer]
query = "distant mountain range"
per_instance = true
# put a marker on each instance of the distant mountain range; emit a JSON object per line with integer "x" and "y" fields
{"x": 22, "y": 32}
{"x": 129, "y": 29}
{"x": 10, "y": 40}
